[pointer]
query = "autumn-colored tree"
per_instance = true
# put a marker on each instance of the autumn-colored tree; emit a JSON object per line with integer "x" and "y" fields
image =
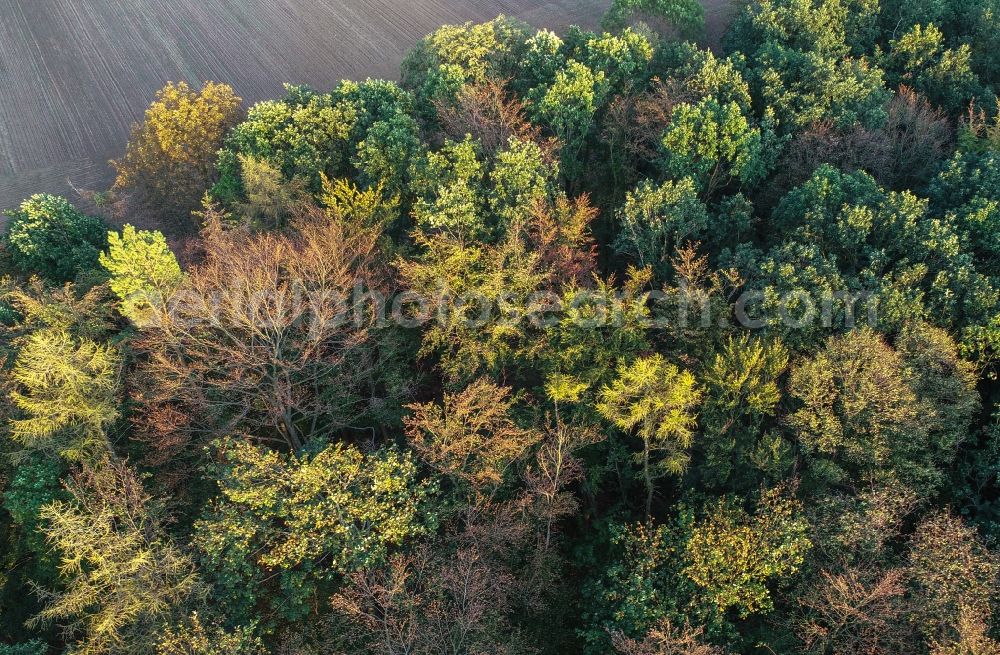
{"x": 144, "y": 272}
{"x": 973, "y": 636}
{"x": 267, "y": 338}
{"x": 271, "y": 201}
{"x": 124, "y": 581}
{"x": 438, "y": 344}
{"x": 665, "y": 639}
{"x": 902, "y": 153}
{"x": 471, "y": 436}
{"x": 598, "y": 330}
{"x": 561, "y": 233}
{"x": 68, "y": 394}
{"x": 170, "y": 160}
{"x": 364, "y": 208}
{"x": 856, "y": 612}
{"x": 489, "y": 113}
{"x": 556, "y": 467}
{"x": 474, "y": 299}
{"x": 456, "y": 595}
{"x": 656, "y": 401}
{"x": 81, "y": 313}
{"x": 954, "y": 577}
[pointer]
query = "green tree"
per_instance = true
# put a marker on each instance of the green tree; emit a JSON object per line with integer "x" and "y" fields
{"x": 523, "y": 178}
{"x": 304, "y": 135}
{"x": 656, "y": 401}
{"x": 68, "y": 393}
{"x": 687, "y": 16}
{"x": 301, "y": 520}
{"x": 35, "y": 484}
{"x": 831, "y": 28}
{"x": 450, "y": 192}
{"x": 806, "y": 87}
{"x": 47, "y": 236}
{"x": 33, "y": 647}
{"x": 468, "y": 53}
{"x": 567, "y": 107}
{"x": 920, "y": 59}
{"x": 271, "y": 200}
{"x": 384, "y": 156}
{"x": 144, "y": 272}
{"x": 196, "y": 636}
{"x": 741, "y": 392}
{"x": 656, "y": 221}
{"x": 124, "y": 581}
{"x": 623, "y": 58}
{"x": 32, "y": 483}
{"x": 868, "y": 410}
{"x": 644, "y": 584}
{"x": 713, "y": 145}
{"x": 170, "y": 159}
{"x": 733, "y": 555}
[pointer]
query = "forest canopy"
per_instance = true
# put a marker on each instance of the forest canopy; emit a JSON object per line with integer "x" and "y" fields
{"x": 594, "y": 342}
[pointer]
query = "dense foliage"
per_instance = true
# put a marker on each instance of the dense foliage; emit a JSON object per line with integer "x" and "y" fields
{"x": 584, "y": 343}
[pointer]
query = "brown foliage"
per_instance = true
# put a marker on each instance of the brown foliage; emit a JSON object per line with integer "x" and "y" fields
{"x": 859, "y": 611}
{"x": 666, "y": 639}
{"x": 555, "y": 468}
{"x": 635, "y": 123}
{"x": 258, "y": 342}
{"x": 559, "y": 233}
{"x": 470, "y": 436}
{"x": 449, "y": 598}
{"x": 917, "y": 137}
{"x": 491, "y": 115}
{"x": 955, "y": 578}
{"x": 972, "y": 639}
{"x": 641, "y": 120}
{"x": 900, "y": 154}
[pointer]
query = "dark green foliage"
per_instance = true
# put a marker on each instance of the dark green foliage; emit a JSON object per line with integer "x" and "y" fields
{"x": 48, "y": 237}
{"x": 33, "y": 647}
{"x": 687, "y": 16}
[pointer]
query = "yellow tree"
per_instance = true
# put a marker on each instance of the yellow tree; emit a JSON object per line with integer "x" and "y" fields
{"x": 144, "y": 272}
{"x": 170, "y": 158}
{"x": 655, "y": 400}
{"x": 67, "y": 392}
{"x": 124, "y": 580}
{"x": 732, "y": 555}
